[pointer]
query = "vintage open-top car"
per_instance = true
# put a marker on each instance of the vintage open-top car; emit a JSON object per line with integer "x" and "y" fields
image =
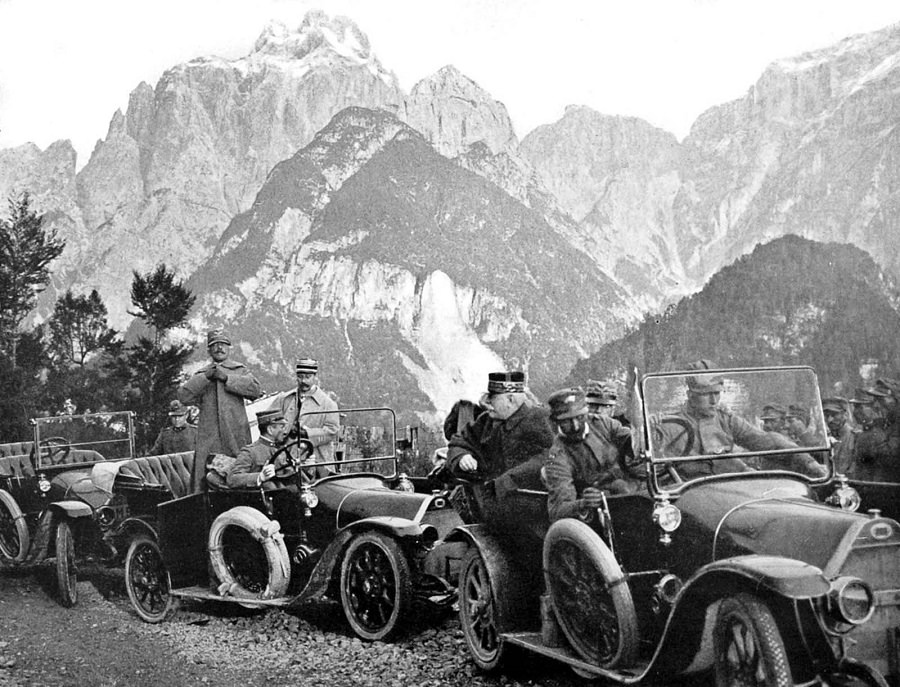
{"x": 723, "y": 561}
{"x": 352, "y": 529}
{"x": 54, "y": 500}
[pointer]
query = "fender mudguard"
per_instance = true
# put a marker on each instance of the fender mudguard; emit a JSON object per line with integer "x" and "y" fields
{"x": 685, "y": 644}
{"x": 516, "y": 587}
{"x": 72, "y": 509}
{"x": 327, "y": 565}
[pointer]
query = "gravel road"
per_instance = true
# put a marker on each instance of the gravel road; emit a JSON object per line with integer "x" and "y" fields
{"x": 102, "y": 642}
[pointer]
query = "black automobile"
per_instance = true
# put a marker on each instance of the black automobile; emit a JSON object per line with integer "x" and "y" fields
{"x": 54, "y": 499}
{"x": 724, "y": 562}
{"x": 353, "y": 529}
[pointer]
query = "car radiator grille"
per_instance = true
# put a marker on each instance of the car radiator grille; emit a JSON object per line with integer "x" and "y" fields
{"x": 876, "y": 641}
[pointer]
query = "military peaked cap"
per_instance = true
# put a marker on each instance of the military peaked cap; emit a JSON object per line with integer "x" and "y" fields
{"x": 567, "y": 403}
{"x": 307, "y": 365}
{"x": 506, "y": 382}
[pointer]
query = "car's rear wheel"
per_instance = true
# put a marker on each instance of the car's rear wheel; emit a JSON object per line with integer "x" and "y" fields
{"x": 14, "y": 539}
{"x": 147, "y": 580}
{"x": 248, "y": 555}
{"x": 748, "y": 649}
{"x": 66, "y": 572}
{"x": 590, "y": 595}
{"x": 478, "y": 612}
{"x": 376, "y": 586}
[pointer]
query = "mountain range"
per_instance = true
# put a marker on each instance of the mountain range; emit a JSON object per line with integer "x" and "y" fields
{"x": 412, "y": 243}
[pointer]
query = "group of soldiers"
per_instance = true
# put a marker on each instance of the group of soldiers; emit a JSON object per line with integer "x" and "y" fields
{"x": 578, "y": 451}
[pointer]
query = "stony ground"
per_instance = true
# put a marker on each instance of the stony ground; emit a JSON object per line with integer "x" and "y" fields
{"x": 102, "y": 642}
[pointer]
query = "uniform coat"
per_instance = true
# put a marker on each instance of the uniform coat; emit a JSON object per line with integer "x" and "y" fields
{"x": 223, "y": 426}
{"x": 321, "y": 427}
{"x": 515, "y": 447}
{"x": 596, "y": 461}
{"x": 175, "y": 440}
{"x": 250, "y": 460}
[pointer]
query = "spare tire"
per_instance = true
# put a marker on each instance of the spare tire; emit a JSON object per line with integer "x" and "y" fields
{"x": 14, "y": 538}
{"x": 248, "y": 555}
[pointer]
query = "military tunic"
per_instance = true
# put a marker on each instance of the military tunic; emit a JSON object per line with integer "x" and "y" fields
{"x": 596, "y": 461}
{"x": 249, "y": 462}
{"x": 321, "y": 427}
{"x": 175, "y": 440}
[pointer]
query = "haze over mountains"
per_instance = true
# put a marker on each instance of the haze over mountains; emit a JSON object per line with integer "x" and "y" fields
{"x": 412, "y": 243}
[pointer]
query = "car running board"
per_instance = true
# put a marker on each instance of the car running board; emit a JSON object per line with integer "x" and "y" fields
{"x": 207, "y": 594}
{"x": 532, "y": 642}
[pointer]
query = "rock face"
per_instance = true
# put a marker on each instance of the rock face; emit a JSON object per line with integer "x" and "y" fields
{"x": 371, "y": 252}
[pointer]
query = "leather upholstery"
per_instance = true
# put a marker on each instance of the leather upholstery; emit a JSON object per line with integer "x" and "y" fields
{"x": 170, "y": 470}
{"x": 16, "y": 466}
{"x": 16, "y": 448}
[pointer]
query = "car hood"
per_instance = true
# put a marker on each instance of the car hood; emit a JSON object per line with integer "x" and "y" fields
{"x": 354, "y": 498}
{"x": 776, "y": 517}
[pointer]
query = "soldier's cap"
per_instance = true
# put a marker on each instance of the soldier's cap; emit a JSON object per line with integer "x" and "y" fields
{"x": 269, "y": 417}
{"x": 798, "y": 412}
{"x": 176, "y": 407}
{"x": 703, "y": 384}
{"x": 506, "y": 382}
{"x": 773, "y": 411}
{"x": 307, "y": 365}
{"x": 834, "y": 404}
{"x": 861, "y": 398}
{"x": 601, "y": 393}
{"x": 217, "y": 335}
{"x": 567, "y": 403}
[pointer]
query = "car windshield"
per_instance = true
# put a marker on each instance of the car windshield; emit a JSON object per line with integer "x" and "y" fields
{"x": 365, "y": 441}
{"x": 94, "y": 437}
{"x": 729, "y": 421}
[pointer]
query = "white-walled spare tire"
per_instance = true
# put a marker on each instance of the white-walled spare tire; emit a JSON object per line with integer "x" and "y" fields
{"x": 14, "y": 537}
{"x": 248, "y": 555}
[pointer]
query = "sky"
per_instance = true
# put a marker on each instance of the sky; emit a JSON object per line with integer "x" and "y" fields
{"x": 67, "y": 65}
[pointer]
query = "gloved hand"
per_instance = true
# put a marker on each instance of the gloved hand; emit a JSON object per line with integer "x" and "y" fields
{"x": 219, "y": 374}
{"x": 592, "y": 498}
{"x": 267, "y": 473}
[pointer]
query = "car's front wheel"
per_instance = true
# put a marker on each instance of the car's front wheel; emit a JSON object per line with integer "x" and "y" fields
{"x": 14, "y": 540}
{"x": 748, "y": 649}
{"x": 376, "y": 586}
{"x": 66, "y": 572}
{"x": 478, "y": 612}
{"x": 147, "y": 580}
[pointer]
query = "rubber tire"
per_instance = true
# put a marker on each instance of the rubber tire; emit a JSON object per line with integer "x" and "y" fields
{"x": 147, "y": 580}
{"x": 358, "y": 561}
{"x": 744, "y": 617}
{"x": 256, "y": 524}
{"x": 579, "y": 538}
{"x": 9, "y": 510}
{"x": 66, "y": 571}
{"x": 478, "y": 613}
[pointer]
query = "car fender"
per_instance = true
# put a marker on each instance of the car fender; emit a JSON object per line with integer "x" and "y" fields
{"x": 327, "y": 567}
{"x": 71, "y": 509}
{"x": 516, "y": 587}
{"x": 132, "y": 527}
{"x": 686, "y": 645}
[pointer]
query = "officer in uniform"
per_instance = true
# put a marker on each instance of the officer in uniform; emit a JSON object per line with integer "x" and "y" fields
{"x": 587, "y": 457}
{"x": 251, "y": 467}
{"x": 179, "y": 437}
{"x": 835, "y": 409}
{"x": 773, "y": 417}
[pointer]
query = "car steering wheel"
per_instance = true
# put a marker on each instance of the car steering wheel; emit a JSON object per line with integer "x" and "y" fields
{"x": 291, "y": 464}
{"x": 57, "y": 449}
{"x": 688, "y": 435}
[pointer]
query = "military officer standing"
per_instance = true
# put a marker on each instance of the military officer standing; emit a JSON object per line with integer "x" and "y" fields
{"x": 179, "y": 437}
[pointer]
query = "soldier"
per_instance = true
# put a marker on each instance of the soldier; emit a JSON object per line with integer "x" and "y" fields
{"x": 601, "y": 398}
{"x": 219, "y": 388}
{"x": 180, "y": 437}
{"x": 835, "y": 409}
{"x": 587, "y": 457}
{"x": 878, "y": 445}
{"x": 797, "y": 421}
{"x": 318, "y": 419}
{"x": 251, "y": 467}
{"x": 772, "y": 417}
{"x": 716, "y": 430}
{"x": 507, "y": 444}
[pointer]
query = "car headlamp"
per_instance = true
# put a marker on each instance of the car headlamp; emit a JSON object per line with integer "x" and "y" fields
{"x": 43, "y": 483}
{"x": 851, "y": 600}
{"x": 844, "y": 497}
{"x": 308, "y": 497}
{"x": 666, "y": 516}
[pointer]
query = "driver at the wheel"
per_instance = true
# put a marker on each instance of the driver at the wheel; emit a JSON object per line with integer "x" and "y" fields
{"x": 251, "y": 467}
{"x": 586, "y": 459}
{"x": 716, "y": 430}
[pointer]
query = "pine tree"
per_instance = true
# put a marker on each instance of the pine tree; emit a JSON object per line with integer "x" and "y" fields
{"x": 26, "y": 250}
